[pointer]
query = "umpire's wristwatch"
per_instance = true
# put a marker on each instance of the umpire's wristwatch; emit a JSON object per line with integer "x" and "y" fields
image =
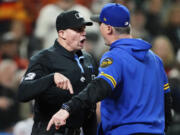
{"x": 66, "y": 107}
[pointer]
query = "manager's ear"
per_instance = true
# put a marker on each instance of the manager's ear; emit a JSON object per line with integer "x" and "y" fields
{"x": 109, "y": 29}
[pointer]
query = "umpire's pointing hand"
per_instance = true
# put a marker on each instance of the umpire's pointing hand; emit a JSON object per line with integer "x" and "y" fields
{"x": 58, "y": 119}
{"x": 63, "y": 82}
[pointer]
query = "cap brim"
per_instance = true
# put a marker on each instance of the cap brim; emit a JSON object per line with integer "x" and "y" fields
{"x": 82, "y": 25}
{"x": 95, "y": 18}
{"x": 88, "y": 23}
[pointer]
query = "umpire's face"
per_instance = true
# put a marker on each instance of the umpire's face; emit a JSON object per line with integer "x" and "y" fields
{"x": 74, "y": 38}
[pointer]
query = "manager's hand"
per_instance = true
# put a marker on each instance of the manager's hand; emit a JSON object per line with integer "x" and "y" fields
{"x": 58, "y": 119}
{"x": 63, "y": 82}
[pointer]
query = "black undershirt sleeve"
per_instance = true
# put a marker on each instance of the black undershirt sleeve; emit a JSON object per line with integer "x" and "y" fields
{"x": 96, "y": 91}
{"x": 168, "y": 106}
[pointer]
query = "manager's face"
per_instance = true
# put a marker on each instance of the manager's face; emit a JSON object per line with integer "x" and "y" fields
{"x": 105, "y": 32}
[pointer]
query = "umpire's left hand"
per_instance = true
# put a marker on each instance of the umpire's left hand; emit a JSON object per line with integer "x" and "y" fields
{"x": 63, "y": 82}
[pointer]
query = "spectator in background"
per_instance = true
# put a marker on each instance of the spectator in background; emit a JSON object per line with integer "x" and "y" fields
{"x": 138, "y": 21}
{"x": 12, "y": 10}
{"x": 8, "y": 69}
{"x": 9, "y": 108}
{"x": 34, "y": 6}
{"x": 172, "y": 26}
{"x": 18, "y": 30}
{"x": 24, "y": 10}
{"x": 162, "y": 46}
{"x": 9, "y": 48}
{"x": 27, "y": 45}
{"x": 153, "y": 14}
{"x": 15, "y": 17}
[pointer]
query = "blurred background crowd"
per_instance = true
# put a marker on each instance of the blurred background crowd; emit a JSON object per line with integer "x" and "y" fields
{"x": 27, "y": 26}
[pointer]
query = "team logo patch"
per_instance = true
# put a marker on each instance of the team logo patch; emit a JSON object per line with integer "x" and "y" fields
{"x": 106, "y": 62}
{"x": 30, "y": 76}
{"x": 82, "y": 79}
{"x": 78, "y": 16}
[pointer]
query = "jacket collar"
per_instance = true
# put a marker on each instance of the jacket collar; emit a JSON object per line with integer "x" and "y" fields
{"x": 67, "y": 53}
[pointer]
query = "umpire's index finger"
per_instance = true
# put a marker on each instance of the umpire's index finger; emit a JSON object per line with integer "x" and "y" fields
{"x": 70, "y": 87}
{"x": 51, "y": 122}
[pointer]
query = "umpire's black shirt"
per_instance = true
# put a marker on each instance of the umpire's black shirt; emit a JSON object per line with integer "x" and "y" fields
{"x": 38, "y": 82}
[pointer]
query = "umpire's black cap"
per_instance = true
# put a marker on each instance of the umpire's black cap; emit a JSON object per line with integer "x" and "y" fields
{"x": 70, "y": 20}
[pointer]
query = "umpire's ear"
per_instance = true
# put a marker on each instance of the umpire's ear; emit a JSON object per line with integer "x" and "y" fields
{"x": 62, "y": 34}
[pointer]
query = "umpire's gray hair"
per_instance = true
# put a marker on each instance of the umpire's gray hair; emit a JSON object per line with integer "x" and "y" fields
{"x": 123, "y": 30}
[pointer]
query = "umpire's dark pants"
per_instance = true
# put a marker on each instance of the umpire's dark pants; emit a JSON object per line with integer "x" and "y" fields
{"x": 39, "y": 128}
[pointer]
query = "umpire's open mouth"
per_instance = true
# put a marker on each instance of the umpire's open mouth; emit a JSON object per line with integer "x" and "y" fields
{"x": 83, "y": 40}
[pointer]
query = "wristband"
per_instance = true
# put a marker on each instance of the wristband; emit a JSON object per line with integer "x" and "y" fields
{"x": 66, "y": 107}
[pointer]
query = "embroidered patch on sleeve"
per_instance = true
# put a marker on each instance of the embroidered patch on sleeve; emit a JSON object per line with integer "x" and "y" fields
{"x": 30, "y": 76}
{"x": 106, "y": 62}
{"x": 166, "y": 86}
